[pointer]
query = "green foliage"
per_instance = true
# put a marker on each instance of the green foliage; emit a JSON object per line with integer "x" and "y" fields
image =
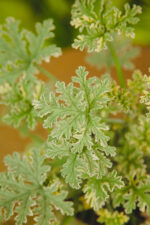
{"x": 127, "y": 100}
{"x": 98, "y": 132}
{"x": 96, "y": 191}
{"x": 135, "y": 192}
{"x": 99, "y": 20}
{"x": 138, "y": 135}
{"x": 23, "y": 184}
{"x": 124, "y": 51}
{"x": 146, "y": 222}
{"x": 77, "y": 133}
{"x": 21, "y": 51}
{"x": 18, "y": 100}
{"x": 112, "y": 218}
{"x": 146, "y": 94}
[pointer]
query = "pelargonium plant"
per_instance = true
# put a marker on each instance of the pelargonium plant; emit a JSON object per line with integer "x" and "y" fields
{"x": 97, "y": 152}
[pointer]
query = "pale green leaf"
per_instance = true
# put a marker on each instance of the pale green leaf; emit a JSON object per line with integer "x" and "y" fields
{"x": 24, "y": 185}
{"x": 97, "y": 190}
{"x": 72, "y": 171}
{"x": 18, "y": 101}
{"x": 71, "y": 113}
{"x": 21, "y": 50}
{"x": 97, "y": 22}
{"x": 124, "y": 50}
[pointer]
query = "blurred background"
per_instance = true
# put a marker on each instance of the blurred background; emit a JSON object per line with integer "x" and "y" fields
{"x": 31, "y": 11}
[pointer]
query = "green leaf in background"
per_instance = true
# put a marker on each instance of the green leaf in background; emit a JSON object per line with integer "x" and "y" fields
{"x": 71, "y": 221}
{"x": 96, "y": 191}
{"x": 112, "y": 218}
{"x": 60, "y": 7}
{"x": 135, "y": 193}
{"x": 18, "y": 101}
{"x": 124, "y": 50}
{"x": 21, "y": 51}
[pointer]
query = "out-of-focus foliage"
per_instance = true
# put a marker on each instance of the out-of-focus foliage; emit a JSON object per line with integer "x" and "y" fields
{"x": 112, "y": 218}
{"x": 18, "y": 101}
{"x": 146, "y": 95}
{"x": 21, "y": 51}
{"x": 31, "y": 11}
{"x": 18, "y": 9}
{"x": 124, "y": 50}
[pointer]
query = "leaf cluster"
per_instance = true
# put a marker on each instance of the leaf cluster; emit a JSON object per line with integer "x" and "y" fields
{"x": 24, "y": 184}
{"x": 112, "y": 218}
{"x": 78, "y": 134}
{"x": 18, "y": 99}
{"x": 89, "y": 152}
{"x": 97, "y": 22}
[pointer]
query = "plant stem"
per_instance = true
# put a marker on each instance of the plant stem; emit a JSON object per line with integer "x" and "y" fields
{"x": 48, "y": 74}
{"x": 118, "y": 67}
{"x": 113, "y": 120}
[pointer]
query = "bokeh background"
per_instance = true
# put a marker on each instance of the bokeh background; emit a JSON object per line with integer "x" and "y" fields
{"x": 31, "y": 11}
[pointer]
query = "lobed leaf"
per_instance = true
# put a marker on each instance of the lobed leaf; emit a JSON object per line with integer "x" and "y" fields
{"x": 21, "y": 50}
{"x": 96, "y": 190}
{"x": 99, "y": 20}
{"x": 24, "y": 185}
{"x": 18, "y": 101}
{"x": 76, "y": 132}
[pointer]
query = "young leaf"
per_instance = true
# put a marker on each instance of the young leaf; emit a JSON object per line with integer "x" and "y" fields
{"x": 127, "y": 100}
{"x": 72, "y": 111}
{"x": 96, "y": 191}
{"x": 135, "y": 193}
{"x": 112, "y": 218}
{"x": 145, "y": 98}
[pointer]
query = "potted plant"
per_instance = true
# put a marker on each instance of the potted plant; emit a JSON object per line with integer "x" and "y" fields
{"x": 95, "y": 160}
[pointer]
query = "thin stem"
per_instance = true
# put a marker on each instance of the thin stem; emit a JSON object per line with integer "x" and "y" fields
{"x": 48, "y": 74}
{"x": 118, "y": 67}
{"x": 113, "y": 120}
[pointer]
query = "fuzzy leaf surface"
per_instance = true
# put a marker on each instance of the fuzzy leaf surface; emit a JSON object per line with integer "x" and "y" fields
{"x": 96, "y": 190}
{"x": 134, "y": 194}
{"x": 71, "y": 113}
{"x": 21, "y": 50}
{"x": 23, "y": 184}
{"x": 97, "y": 22}
{"x": 18, "y": 101}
